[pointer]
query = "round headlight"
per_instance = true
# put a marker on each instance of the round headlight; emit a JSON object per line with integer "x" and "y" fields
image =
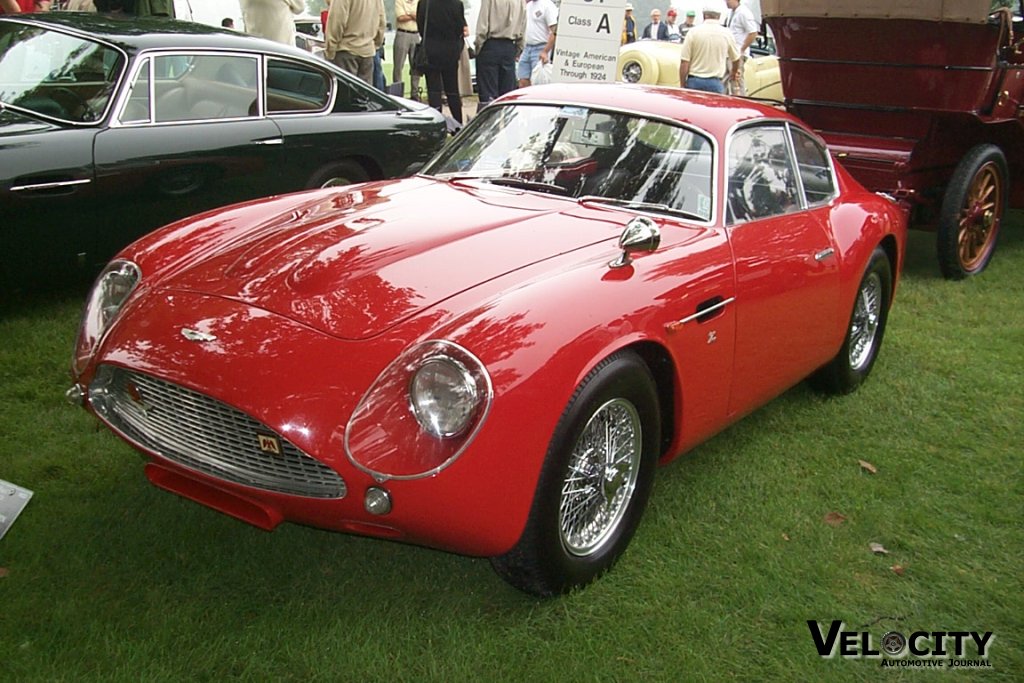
{"x": 444, "y": 396}
{"x": 112, "y": 289}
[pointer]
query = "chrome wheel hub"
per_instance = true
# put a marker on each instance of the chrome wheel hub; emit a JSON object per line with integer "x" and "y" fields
{"x": 867, "y": 312}
{"x": 602, "y": 476}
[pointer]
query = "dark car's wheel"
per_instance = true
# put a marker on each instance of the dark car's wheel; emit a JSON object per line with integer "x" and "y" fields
{"x": 972, "y": 211}
{"x": 338, "y": 174}
{"x": 595, "y": 481}
{"x": 864, "y": 334}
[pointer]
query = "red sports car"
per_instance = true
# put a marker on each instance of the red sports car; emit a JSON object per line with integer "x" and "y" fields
{"x": 492, "y": 357}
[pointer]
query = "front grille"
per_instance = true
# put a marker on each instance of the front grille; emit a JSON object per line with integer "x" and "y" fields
{"x": 206, "y": 435}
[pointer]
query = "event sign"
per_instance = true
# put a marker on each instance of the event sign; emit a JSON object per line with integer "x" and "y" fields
{"x": 587, "y": 45}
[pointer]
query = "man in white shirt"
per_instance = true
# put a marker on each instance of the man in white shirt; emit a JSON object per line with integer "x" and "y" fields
{"x": 743, "y": 27}
{"x": 541, "y": 22}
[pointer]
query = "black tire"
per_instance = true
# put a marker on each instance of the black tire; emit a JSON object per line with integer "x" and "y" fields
{"x": 563, "y": 545}
{"x": 972, "y": 212}
{"x": 853, "y": 363}
{"x": 338, "y": 174}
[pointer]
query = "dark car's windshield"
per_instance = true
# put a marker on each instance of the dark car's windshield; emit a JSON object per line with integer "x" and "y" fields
{"x": 55, "y": 74}
{"x": 579, "y": 152}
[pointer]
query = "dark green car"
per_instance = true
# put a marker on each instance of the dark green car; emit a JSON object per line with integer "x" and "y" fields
{"x": 112, "y": 127}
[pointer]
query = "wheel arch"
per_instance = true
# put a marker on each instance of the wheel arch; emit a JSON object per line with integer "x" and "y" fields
{"x": 663, "y": 370}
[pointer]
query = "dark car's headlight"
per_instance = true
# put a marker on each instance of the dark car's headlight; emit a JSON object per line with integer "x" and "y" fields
{"x": 112, "y": 289}
{"x": 421, "y": 413}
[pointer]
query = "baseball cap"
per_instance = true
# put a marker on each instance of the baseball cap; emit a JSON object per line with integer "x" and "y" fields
{"x": 690, "y": 13}
{"x": 671, "y": 12}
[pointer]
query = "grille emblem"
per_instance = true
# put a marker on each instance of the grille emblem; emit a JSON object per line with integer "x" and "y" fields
{"x": 269, "y": 444}
{"x": 196, "y": 335}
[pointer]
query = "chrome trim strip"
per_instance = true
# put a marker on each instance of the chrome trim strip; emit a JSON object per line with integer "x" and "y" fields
{"x": 824, "y": 254}
{"x": 273, "y": 141}
{"x": 50, "y": 186}
{"x": 709, "y": 309}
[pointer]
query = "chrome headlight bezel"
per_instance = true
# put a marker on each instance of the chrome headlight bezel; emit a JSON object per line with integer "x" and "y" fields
{"x": 421, "y": 413}
{"x": 112, "y": 289}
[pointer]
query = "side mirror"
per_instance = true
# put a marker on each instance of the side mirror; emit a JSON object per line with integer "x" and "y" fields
{"x": 640, "y": 235}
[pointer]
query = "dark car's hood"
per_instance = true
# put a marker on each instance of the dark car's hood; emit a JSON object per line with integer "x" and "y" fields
{"x": 352, "y": 263}
{"x": 16, "y": 123}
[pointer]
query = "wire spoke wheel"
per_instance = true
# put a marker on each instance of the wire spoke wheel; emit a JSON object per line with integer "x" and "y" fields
{"x": 867, "y": 311}
{"x": 602, "y": 475}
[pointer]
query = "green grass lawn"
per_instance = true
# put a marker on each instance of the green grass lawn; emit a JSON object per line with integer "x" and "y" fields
{"x": 104, "y": 577}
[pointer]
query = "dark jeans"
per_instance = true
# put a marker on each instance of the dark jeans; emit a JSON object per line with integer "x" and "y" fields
{"x": 496, "y": 69}
{"x": 446, "y": 78}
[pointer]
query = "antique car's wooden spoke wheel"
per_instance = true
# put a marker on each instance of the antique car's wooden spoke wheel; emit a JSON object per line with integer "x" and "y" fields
{"x": 972, "y": 211}
{"x": 594, "y": 483}
{"x": 864, "y": 335}
{"x": 602, "y": 475}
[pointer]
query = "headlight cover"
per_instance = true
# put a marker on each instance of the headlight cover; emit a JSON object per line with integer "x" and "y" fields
{"x": 112, "y": 289}
{"x": 421, "y": 412}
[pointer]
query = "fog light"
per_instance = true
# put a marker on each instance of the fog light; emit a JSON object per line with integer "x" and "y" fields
{"x": 378, "y": 501}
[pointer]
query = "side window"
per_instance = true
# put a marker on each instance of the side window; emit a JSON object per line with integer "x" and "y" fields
{"x": 815, "y": 171}
{"x": 136, "y": 109}
{"x": 762, "y": 181}
{"x": 211, "y": 87}
{"x": 294, "y": 87}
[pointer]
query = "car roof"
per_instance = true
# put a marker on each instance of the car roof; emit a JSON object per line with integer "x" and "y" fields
{"x": 135, "y": 34}
{"x": 714, "y": 113}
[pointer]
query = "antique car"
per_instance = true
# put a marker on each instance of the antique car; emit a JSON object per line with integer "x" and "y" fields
{"x": 656, "y": 62}
{"x": 920, "y": 100}
{"x": 309, "y": 34}
{"x": 110, "y": 128}
{"x": 491, "y": 357}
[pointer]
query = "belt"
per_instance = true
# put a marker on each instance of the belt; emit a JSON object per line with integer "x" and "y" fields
{"x": 405, "y": 30}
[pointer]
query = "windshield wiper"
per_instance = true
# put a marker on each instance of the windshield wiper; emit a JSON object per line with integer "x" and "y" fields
{"x": 643, "y": 206}
{"x": 550, "y": 188}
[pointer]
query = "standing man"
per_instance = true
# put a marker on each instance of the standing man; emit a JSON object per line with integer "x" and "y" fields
{"x": 706, "y": 49}
{"x": 691, "y": 16}
{"x": 407, "y": 37}
{"x": 744, "y": 29}
{"x": 674, "y": 36}
{"x": 629, "y": 25}
{"x": 656, "y": 29}
{"x": 354, "y": 31}
{"x": 541, "y": 22}
{"x": 272, "y": 19}
{"x": 500, "y": 30}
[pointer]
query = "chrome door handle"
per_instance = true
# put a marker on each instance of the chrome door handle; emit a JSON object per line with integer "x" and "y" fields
{"x": 269, "y": 141}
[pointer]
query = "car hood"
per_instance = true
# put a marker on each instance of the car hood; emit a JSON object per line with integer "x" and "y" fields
{"x": 356, "y": 261}
{"x": 16, "y": 123}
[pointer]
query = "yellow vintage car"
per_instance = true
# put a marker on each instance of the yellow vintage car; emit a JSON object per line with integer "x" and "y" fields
{"x": 656, "y": 62}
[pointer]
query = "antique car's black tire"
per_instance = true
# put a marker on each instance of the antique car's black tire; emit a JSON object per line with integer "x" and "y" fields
{"x": 853, "y": 363}
{"x": 594, "y": 484}
{"x": 972, "y": 212}
{"x": 338, "y": 174}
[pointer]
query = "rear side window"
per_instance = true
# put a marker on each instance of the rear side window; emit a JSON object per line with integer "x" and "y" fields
{"x": 294, "y": 87}
{"x": 815, "y": 170}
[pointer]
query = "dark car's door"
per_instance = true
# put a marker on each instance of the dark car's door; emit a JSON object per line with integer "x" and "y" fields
{"x": 787, "y": 270}
{"x": 187, "y": 137}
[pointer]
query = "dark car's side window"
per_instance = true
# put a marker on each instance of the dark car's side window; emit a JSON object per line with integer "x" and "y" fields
{"x": 815, "y": 170}
{"x": 294, "y": 87}
{"x": 136, "y": 109}
{"x": 762, "y": 181}
{"x": 204, "y": 87}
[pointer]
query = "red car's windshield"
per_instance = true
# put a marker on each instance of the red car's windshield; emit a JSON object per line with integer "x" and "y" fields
{"x": 579, "y": 152}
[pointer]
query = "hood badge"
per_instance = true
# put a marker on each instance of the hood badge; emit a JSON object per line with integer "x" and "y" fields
{"x": 196, "y": 335}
